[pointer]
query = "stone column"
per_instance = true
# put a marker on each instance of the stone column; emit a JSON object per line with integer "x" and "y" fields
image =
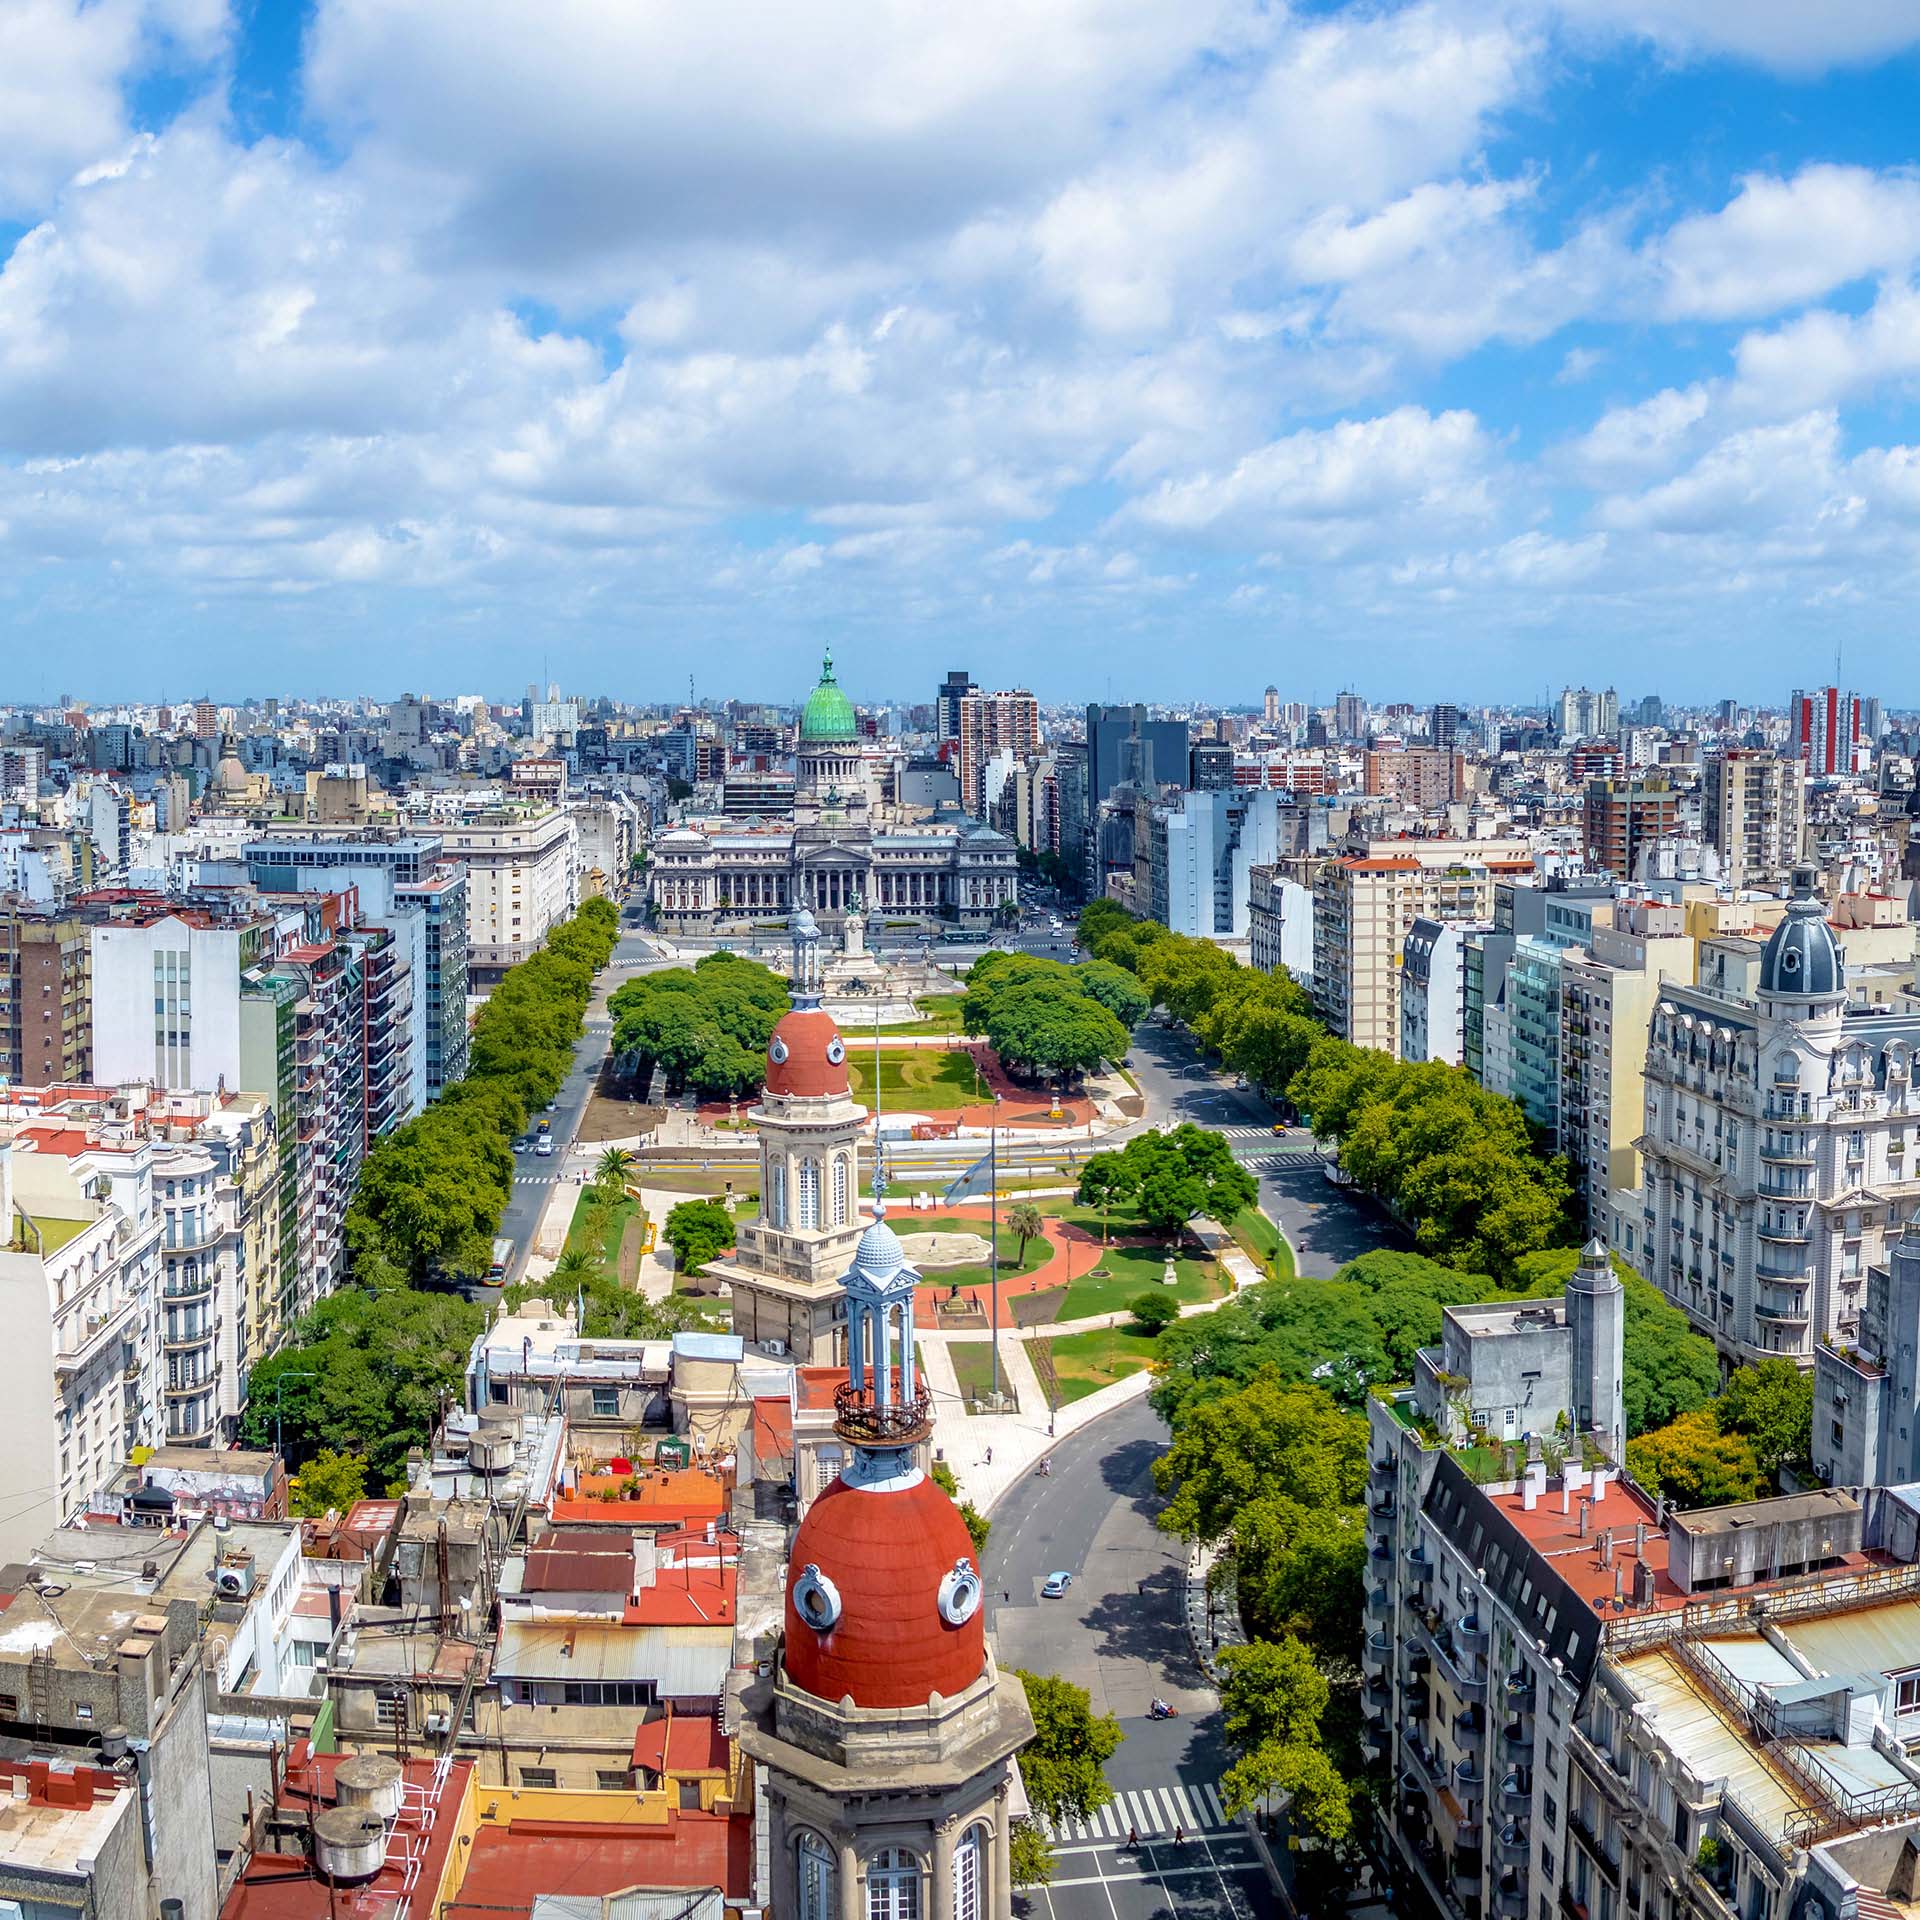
{"x": 1000, "y": 1871}
{"x": 942, "y": 1902}
{"x": 780, "y": 1888}
{"x": 846, "y": 1876}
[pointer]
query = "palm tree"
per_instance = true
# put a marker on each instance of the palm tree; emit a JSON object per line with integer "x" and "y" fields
{"x": 575, "y": 1264}
{"x": 614, "y": 1166}
{"x": 1024, "y": 1219}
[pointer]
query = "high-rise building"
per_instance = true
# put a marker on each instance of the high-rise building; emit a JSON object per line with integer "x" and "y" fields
{"x": 1433, "y": 998}
{"x": 991, "y": 723}
{"x": 1365, "y": 900}
{"x": 1623, "y": 817}
{"x": 522, "y": 879}
{"x": 1201, "y": 853}
{"x": 1123, "y": 745}
{"x": 946, "y": 702}
{"x": 1823, "y": 729}
{"x": 1445, "y": 724}
{"x": 1583, "y": 712}
{"x": 1425, "y": 778}
{"x": 46, "y": 993}
{"x": 1350, "y": 716}
{"x": 206, "y": 720}
{"x": 1210, "y": 767}
{"x": 1755, "y": 814}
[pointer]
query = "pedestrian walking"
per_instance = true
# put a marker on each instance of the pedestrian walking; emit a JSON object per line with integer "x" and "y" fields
{"x": 1179, "y": 1835}
{"x": 1133, "y": 1839}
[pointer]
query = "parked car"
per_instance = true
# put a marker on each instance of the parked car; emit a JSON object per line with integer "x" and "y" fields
{"x": 523, "y": 1143}
{"x": 1055, "y": 1585}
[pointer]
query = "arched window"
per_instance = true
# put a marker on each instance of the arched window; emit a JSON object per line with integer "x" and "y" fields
{"x": 841, "y": 1202}
{"x": 776, "y": 1192}
{"x": 813, "y": 1878}
{"x": 969, "y": 1873}
{"x": 809, "y": 1193}
{"x": 893, "y": 1886}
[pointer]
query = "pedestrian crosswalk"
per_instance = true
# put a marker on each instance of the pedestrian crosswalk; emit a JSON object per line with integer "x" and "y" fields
{"x": 1148, "y": 1813}
{"x": 534, "y": 1179}
{"x": 1246, "y": 1133}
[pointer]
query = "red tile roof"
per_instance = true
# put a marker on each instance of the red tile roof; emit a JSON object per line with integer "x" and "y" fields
{"x": 684, "y": 1597}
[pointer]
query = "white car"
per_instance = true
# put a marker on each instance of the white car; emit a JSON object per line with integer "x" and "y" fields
{"x": 543, "y": 1147}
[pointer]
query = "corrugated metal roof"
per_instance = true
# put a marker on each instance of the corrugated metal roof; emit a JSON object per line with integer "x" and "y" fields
{"x": 682, "y": 1661}
{"x": 1690, "y": 1724}
{"x": 1865, "y": 1640}
{"x": 1758, "y": 1662}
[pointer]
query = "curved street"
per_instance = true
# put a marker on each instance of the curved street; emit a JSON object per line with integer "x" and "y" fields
{"x": 1120, "y": 1632}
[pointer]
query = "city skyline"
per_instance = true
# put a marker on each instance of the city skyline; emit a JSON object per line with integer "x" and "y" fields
{"x": 1179, "y": 345}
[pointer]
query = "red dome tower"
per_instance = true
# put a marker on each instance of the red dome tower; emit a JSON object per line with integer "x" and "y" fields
{"x": 885, "y": 1731}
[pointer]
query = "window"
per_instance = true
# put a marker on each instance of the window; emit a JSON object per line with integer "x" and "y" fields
{"x": 813, "y": 1878}
{"x": 809, "y": 1193}
{"x": 893, "y": 1886}
{"x": 390, "y": 1709}
{"x": 537, "y": 1777}
{"x": 1909, "y": 1696}
{"x": 776, "y": 1198}
{"x": 840, "y": 1203}
{"x": 613, "y": 1780}
{"x": 606, "y": 1402}
{"x": 969, "y": 1863}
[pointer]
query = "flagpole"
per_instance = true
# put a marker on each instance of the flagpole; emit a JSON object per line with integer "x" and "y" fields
{"x": 993, "y": 1256}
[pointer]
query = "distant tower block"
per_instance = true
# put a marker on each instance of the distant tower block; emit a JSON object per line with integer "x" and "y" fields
{"x": 1596, "y": 1320}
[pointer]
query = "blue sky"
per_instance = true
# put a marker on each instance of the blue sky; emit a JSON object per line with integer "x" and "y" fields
{"x": 1160, "y": 347}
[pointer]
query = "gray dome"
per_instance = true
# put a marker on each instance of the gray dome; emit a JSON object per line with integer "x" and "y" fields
{"x": 879, "y": 1257}
{"x": 1802, "y": 957}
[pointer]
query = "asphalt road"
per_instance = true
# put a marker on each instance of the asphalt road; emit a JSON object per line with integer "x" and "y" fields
{"x": 1325, "y": 1226}
{"x": 1120, "y": 1632}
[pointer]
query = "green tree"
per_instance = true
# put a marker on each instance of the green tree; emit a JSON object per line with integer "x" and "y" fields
{"x": 1167, "y": 1178}
{"x": 1692, "y": 1462}
{"x": 1771, "y": 1405}
{"x": 1032, "y": 1854}
{"x": 1063, "y": 1764}
{"x": 1153, "y": 1312}
{"x": 1116, "y": 989}
{"x": 1025, "y": 1221}
{"x": 1272, "y": 1698}
{"x": 329, "y": 1483}
{"x": 614, "y": 1165}
{"x": 697, "y": 1230}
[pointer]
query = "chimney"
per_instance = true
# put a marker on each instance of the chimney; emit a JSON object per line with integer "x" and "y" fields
{"x": 1586, "y": 1517}
{"x": 1606, "y": 1546}
{"x": 1528, "y": 1494}
{"x": 1642, "y": 1584}
{"x": 1566, "y": 1497}
{"x": 1619, "y": 1586}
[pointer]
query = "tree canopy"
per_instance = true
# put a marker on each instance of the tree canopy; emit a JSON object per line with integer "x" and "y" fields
{"x": 697, "y": 1230}
{"x": 705, "y": 1027}
{"x": 1043, "y": 1016}
{"x": 1272, "y": 1700}
{"x": 1063, "y": 1765}
{"x": 1168, "y": 1178}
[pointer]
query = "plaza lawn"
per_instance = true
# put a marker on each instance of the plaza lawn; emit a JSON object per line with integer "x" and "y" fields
{"x": 922, "y": 1080}
{"x": 597, "y": 1231}
{"x": 1132, "y": 1271}
{"x": 939, "y": 1014}
{"x": 745, "y": 1178}
{"x": 1085, "y": 1362}
{"x": 975, "y": 1273}
{"x": 1262, "y": 1241}
{"x": 973, "y": 1367}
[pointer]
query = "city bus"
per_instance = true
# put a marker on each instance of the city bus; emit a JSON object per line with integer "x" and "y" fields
{"x": 497, "y": 1272}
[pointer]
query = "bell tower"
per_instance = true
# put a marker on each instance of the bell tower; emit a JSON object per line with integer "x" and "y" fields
{"x": 784, "y": 1271}
{"x": 885, "y": 1733}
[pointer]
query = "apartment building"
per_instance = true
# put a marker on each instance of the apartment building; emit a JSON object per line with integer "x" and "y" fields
{"x": 46, "y": 992}
{"x": 993, "y": 723}
{"x": 1424, "y": 778}
{"x": 1279, "y": 922}
{"x": 1364, "y": 901}
{"x": 1754, "y": 808}
{"x": 1433, "y": 991}
{"x": 81, "y": 1371}
{"x": 1623, "y": 819}
{"x": 522, "y": 879}
{"x": 1782, "y": 1131}
{"x": 1201, "y": 853}
{"x": 1607, "y": 993}
{"x": 1595, "y": 1705}
{"x": 440, "y": 990}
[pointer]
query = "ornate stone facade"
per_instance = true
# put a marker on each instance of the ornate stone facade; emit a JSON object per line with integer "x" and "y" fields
{"x": 845, "y": 844}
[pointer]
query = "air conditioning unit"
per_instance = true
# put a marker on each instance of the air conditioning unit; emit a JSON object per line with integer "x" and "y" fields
{"x": 778, "y": 1348}
{"x": 233, "y": 1577}
{"x": 439, "y": 1722}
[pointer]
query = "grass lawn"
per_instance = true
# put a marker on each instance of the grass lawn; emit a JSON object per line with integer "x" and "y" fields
{"x": 1133, "y": 1271}
{"x": 939, "y": 1013}
{"x": 1261, "y": 1239}
{"x": 598, "y": 1232}
{"x": 712, "y": 1186}
{"x": 974, "y": 1274}
{"x": 1009, "y": 1183}
{"x": 922, "y": 1081}
{"x": 973, "y": 1368}
{"x": 1085, "y": 1362}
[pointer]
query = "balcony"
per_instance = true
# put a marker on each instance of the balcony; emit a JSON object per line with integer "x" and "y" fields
{"x": 1783, "y": 1236}
{"x": 185, "y": 1342}
{"x": 1469, "y": 1781}
{"x": 179, "y": 1289}
{"x": 1469, "y": 1635}
{"x": 1510, "y": 1843}
{"x": 1419, "y": 1563}
{"x": 1783, "y": 1155}
{"x": 1520, "y": 1692}
{"x": 1516, "y": 1791}
{"x": 1376, "y": 1650}
{"x": 1516, "y": 1741}
{"x": 1510, "y": 1896}
{"x": 187, "y": 1389}
{"x": 1776, "y": 1314}
{"x": 1379, "y": 1604}
{"x": 1382, "y": 1506}
{"x": 196, "y": 1240}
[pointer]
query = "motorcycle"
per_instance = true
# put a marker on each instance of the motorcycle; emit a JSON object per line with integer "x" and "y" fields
{"x": 1161, "y": 1710}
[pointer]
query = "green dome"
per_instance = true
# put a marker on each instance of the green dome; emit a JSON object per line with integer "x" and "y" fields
{"x": 828, "y": 714}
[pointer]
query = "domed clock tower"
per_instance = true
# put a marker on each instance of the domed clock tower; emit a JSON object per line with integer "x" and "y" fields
{"x": 785, "y": 1269}
{"x": 885, "y": 1733}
